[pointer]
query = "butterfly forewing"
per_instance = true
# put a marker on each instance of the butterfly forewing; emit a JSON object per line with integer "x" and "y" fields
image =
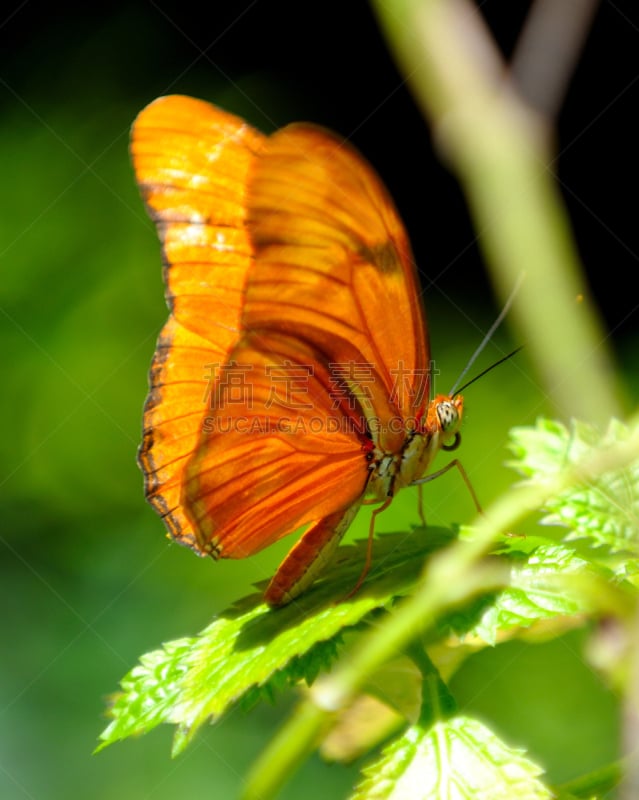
{"x": 333, "y": 262}
{"x": 191, "y": 161}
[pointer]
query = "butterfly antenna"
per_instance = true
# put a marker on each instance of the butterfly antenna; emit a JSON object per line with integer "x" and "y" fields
{"x": 488, "y": 369}
{"x": 485, "y": 341}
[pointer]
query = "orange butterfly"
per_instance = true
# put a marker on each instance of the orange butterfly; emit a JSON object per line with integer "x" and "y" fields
{"x": 291, "y": 382}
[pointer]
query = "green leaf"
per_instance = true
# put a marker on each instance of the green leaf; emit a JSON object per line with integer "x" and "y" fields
{"x": 538, "y": 591}
{"x": 604, "y": 511}
{"x": 251, "y": 651}
{"x": 149, "y": 692}
{"x": 547, "y": 580}
{"x": 458, "y": 759}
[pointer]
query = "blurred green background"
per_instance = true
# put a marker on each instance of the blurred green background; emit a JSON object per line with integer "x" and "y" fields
{"x": 88, "y": 580}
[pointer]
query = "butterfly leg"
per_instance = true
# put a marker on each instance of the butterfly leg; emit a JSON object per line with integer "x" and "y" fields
{"x": 308, "y": 558}
{"x": 456, "y": 463}
{"x": 369, "y": 548}
{"x": 420, "y": 504}
{"x": 465, "y": 478}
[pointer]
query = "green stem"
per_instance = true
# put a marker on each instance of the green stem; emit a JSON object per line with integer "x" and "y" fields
{"x": 499, "y": 151}
{"x": 437, "y": 702}
{"x": 595, "y": 783}
{"x": 269, "y": 773}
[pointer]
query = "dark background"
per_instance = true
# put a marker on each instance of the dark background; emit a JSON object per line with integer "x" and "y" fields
{"x": 280, "y": 61}
{"x": 87, "y": 579}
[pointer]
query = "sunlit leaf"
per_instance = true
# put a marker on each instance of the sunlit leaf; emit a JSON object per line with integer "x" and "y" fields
{"x": 459, "y": 759}
{"x": 605, "y": 511}
{"x": 547, "y": 581}
{"x": 251, "y": 651}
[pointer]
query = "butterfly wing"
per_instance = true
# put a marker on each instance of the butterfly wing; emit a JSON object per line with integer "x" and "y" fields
{"x": 279, "y": 449}
{"x": 191, "y": 161}
{"x": 334, "y": 266}
{"x": 333, "y": 286}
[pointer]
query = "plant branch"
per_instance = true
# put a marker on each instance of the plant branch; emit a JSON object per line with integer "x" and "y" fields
{"x": 548, "y": 50}
{"x": 497, "y": 146}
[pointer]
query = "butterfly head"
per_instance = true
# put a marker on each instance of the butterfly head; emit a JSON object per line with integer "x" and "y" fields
{"x": 438, "y": 429}
{"x": 443, "y": 418}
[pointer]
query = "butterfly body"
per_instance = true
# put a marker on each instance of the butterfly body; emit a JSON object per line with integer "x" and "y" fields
{"x": 291, "y": 382}
{"x": 394, "y": 471}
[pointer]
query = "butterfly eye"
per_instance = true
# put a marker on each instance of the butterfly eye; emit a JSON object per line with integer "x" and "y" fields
{"x": 447, "y": 415}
